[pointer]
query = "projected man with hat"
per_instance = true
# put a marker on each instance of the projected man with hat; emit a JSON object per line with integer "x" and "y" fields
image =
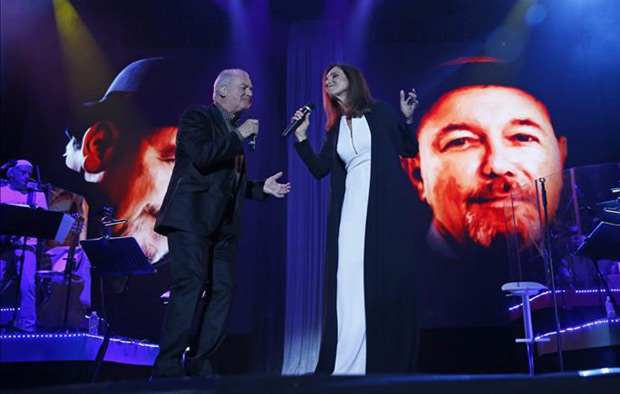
{"x": 129, "y": 142}
{"x": 480, "y": 139}
{"x": 481, "y": 136}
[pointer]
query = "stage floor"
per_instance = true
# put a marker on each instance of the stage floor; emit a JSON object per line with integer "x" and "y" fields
{"x": 593, "y": 381}
{"x": 61, "y": 363}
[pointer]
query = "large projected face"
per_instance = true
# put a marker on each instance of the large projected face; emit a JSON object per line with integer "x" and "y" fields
{"x": 134, "y": 169}
{"x": 129, "y": 143}
{"x": 477, "y": 144}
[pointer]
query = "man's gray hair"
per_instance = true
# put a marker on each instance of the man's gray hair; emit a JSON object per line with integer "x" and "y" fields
{"x": 224, "y": 78}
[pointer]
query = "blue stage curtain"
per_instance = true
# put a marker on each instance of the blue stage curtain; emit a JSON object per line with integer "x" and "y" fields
{"x": 312, "y": 47}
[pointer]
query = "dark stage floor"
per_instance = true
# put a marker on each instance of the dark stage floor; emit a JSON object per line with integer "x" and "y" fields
{"x": 599, "y": 381}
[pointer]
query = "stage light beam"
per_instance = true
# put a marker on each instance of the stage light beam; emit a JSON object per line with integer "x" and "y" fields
{"x": 86, "y": 65}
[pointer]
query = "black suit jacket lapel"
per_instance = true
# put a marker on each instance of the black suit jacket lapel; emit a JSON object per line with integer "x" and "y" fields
{"x": 218, "y": 121}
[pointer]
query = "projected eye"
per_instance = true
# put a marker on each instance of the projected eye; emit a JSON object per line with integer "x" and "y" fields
{"x": 456, "y": 143}
{"x": 523, "y": 138}
{"x": 459, "y": 141}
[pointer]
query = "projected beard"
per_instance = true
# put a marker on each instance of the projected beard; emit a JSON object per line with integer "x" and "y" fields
{"x": 140, "y": 226}
{"x": 492, "y": 213}
{"x": 138, "y": 184}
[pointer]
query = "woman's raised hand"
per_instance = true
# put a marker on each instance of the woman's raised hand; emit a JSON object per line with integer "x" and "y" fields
{"x": 408, "y": 104}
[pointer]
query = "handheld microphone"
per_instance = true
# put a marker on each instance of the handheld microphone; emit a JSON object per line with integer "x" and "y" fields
{"x": 295, "y": 124}
{"x": 252, "y": 143}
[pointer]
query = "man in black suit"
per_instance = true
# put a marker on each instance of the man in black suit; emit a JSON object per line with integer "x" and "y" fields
{"x": 201, "y": 216}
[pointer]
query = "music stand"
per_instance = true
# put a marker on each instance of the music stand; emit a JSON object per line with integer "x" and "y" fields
{"x": 34, "y": 222}
{"x": 603, "y": 243}
{"x": 115, "y": 257}
{"x": 26, "y": 221}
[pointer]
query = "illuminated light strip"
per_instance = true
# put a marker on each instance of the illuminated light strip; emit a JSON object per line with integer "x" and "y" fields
{"x": 80, "y": 335}
{"x": 7, "y": 309}
{"x": 515, "y": 307}
{"x": 532, "y": 299}
{"x": 38, "y": 336}
{"x": 597, "y": 372}
{"x": 577, "y": 328}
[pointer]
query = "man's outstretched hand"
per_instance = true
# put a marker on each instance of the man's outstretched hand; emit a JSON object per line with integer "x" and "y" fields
{"x": 274, "y": 188}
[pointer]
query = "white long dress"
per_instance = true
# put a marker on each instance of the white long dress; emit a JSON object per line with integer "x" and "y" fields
{"x": 354, "y": 149}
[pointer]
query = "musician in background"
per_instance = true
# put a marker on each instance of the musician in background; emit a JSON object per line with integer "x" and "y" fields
{"x": 51, "y": 290}
{"x": 18, "y": 190}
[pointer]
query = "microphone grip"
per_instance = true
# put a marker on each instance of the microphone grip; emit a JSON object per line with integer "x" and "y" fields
{"x": 294, "y": 125}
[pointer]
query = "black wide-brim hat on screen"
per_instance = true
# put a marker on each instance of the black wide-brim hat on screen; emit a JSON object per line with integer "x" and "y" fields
{"x": 151, "y": 92}
{"x": 484, "y": 71}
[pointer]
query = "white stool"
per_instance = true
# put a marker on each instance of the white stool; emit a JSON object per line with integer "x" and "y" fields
{"x": 525, "y": 290}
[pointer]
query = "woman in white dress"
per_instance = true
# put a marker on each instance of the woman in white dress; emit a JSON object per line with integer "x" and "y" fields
{"x": 369, "y": 289}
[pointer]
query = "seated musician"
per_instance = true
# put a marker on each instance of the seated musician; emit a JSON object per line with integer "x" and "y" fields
{"x": 17, "y": 249}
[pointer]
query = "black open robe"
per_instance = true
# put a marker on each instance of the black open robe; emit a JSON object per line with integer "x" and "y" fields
{"x": 389, "y": 255}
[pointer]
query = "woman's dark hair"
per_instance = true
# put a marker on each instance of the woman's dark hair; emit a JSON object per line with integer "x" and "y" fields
{"x": 359, "y": 99}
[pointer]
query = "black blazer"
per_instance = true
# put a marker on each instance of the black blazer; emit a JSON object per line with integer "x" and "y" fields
{"x": 203, "y": 181}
